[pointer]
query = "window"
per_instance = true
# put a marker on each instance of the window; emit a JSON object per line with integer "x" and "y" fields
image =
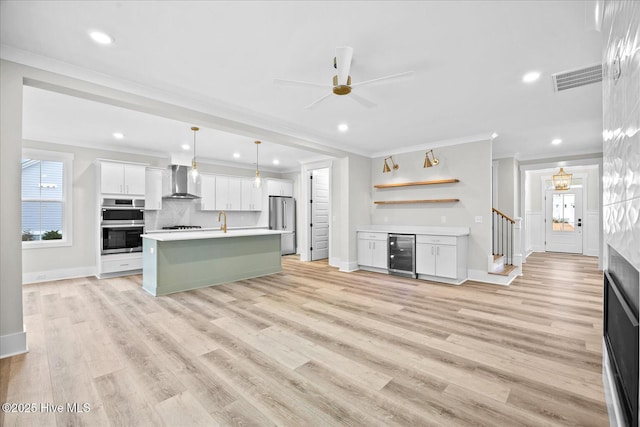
{"x": 46, "y": 198}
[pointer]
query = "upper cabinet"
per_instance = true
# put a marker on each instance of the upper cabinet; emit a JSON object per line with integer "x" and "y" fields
{"x": 122, "y": 178}
{"x": 251, "y": 196}
{"x": 154, "y": 188}
{"x": 280, "y": 187}
{"x": 228, "y": 193}
{"x": 207, "y": 192}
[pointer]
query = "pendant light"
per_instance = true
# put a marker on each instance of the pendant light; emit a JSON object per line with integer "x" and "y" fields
{"x": 258, "y": 181}
{"x": 562, "y": 180}
{"x": 194, "y": 165}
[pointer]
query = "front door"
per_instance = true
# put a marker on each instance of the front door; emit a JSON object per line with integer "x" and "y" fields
{"x": 319, "y": 214}
{"x": 563, "y": 228}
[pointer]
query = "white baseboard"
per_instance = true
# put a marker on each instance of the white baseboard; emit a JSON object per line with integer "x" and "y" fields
{"x": 13, "y": 344}
{"x": 494, "y": 279}
{"x": 373, "y": 269}
{"x": 348, "y": 267}
{"x": 59, "y": 274}
{"x": 439, "y": 279}
{"x": 334, "y": 262}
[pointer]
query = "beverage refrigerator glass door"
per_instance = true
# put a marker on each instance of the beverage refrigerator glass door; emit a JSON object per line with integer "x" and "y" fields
{"x": 402, "y": 255}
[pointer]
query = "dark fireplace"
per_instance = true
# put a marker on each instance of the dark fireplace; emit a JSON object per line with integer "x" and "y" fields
{"x": 621, "y": 331}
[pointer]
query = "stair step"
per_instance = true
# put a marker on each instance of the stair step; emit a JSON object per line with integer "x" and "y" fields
{"x": 505, "y": 270}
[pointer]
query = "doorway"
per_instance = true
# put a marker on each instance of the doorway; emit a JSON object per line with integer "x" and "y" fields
{"x": 319, "y": 202}
{"x": 563, "y": 221}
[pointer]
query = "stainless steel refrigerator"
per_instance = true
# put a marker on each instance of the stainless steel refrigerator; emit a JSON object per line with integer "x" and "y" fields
{"x": 282, "y": 216}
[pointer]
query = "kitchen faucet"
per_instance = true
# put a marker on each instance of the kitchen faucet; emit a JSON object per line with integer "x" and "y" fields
{"x": 223, "y": 227}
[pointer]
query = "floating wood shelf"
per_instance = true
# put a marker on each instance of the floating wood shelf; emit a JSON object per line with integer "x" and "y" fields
{"x": 397, "y": 202}
{"x": 408, "y": 184}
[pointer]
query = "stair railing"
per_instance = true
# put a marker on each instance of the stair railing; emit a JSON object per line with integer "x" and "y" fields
{"x": 502, "y": 226}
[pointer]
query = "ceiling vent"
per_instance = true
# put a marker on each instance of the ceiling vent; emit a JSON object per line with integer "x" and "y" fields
{"x": 576, "y": 78}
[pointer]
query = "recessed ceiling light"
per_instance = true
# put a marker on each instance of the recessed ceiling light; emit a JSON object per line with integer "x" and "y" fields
{"x": 556, "y": 141}
{"x": 100, "y": 37}
{"x": 236, "y": 155}
{"x": 531, "y": 77}
{"x": 494, "y": 135}
{"x": 118, "y": 135}
{"x": 343, "y": 127}
{"x": 276, "y": 161}
{"x": 185, "y": 146}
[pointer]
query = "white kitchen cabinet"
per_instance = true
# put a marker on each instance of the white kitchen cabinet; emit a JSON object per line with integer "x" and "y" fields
{"x": 207, "y": 192}
{"x": 251, "y": 198}
{"x": 372, "y": 250}
{"x": 154, "y": 179}
{"x": 280, "y": 187}
{"x": 122, "y": 178}
{"x": 442, "y": 256}
{"x": 228, "y": 193}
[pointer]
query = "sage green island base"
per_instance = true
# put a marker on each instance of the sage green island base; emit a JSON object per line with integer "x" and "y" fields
{"x": 180, "y": 261}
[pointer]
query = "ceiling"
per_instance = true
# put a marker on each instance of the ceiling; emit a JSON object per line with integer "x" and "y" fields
{"x": 222, "y": 58}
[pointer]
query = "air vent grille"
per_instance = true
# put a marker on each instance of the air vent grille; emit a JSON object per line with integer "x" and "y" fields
{"x": 576, "y": 78}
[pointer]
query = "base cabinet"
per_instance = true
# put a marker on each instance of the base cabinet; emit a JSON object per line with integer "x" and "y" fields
{"x": 372, "y": 250}
{"x": 442, "y": 256}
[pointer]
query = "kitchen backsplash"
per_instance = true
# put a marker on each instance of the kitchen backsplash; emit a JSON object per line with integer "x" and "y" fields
{"x": 185, "y": 212}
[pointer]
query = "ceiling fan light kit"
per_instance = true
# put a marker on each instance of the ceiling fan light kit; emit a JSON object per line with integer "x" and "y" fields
{"x": 342, "y": 80}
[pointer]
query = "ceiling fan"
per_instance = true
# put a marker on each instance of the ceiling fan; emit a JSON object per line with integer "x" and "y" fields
{"x": 342, "y": 80}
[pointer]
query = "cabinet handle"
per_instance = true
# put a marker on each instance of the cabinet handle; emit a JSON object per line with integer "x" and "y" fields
{"x": 374, "y": 245}
{"x": 431, "y": 250}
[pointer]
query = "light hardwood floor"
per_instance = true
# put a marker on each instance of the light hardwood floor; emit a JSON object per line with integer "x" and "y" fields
{"x": 315, "y": 347}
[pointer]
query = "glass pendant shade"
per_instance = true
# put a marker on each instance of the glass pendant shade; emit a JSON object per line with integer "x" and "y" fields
{"x": 258, "y": 180}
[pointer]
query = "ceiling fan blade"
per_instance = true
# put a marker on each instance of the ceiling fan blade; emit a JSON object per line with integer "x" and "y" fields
{"x": 362, "y": 101}
{"x": 392, "y": 77}
{"x": 317, "y": 101}
{"x": 297, "y": 83}
{"x": 343, "y": 63}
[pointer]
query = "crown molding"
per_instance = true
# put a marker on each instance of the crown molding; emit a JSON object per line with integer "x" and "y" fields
{"x": 434, "y": 144}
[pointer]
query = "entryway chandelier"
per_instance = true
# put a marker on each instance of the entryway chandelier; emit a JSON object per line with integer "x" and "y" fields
{"x": 562, "y": 180}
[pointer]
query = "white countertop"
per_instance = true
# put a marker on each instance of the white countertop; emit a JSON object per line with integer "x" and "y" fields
{"x": 414, "y": 229}
{"x": 206, "y": 234}
{"x": 186, "y": 230}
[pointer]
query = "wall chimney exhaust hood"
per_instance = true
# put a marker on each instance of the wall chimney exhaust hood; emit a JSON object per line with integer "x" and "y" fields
{"x": 182, "y": 184}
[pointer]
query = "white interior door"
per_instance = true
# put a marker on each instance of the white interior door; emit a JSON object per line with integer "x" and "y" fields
{"x": 319, "y": 214}
{"x": 563, "y": 221}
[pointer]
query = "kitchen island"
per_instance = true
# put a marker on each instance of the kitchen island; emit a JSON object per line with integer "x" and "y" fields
{"x": 184, "y": 260}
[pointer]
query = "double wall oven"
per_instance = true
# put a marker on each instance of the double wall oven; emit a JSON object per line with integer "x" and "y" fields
{"x": 121, "y": 224}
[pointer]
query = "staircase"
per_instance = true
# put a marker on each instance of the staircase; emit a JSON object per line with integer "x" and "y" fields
{"x": 506, "y": 238}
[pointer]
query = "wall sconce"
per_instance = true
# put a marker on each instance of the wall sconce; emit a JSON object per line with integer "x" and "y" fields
{"x": 562, "y": 181}
{"x": 386, "y": 167}
{"x": 430, "y": 162}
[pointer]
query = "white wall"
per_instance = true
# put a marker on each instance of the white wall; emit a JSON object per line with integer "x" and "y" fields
{"x": 508, "y": 190}
{"x": 13, "y": 338}
{"x": 471, "y": 164}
